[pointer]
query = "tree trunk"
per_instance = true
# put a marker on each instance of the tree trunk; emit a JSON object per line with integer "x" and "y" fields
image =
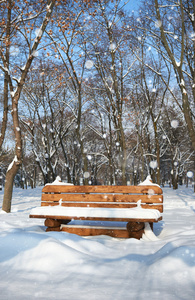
{"x": 5, "y": 111}
{"x": 9, "y": 180}
{"x": 6, "y": 79}
{"x": 157, "y": 154}
{"x": 15, "y": 95}
{"x": 188, "y": 118}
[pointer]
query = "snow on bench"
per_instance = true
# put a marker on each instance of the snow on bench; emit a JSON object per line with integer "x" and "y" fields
{"x": 88, "y": 212}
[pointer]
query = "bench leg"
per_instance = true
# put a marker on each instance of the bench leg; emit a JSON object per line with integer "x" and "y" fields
{"x": 54, "y": 225}
{"x": 135, "y": 229}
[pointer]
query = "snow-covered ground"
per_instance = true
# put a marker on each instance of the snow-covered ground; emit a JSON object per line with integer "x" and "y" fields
{"x": 54, "y": 265}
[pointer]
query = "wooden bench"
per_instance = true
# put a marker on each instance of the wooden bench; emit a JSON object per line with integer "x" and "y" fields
{"x": 117, "y": 211}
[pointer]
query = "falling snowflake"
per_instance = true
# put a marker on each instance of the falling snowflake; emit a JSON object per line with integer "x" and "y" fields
{"x": 190, "y": 174}
{"x": 153, "y": 164}
{"x": 89, "y": 64}
{"x": 112, "y": 46}
{"x": 86, "y": 174}
{"x": 151, "y": 192}
{"x": 158, "y": 24}
{"x": 174, "y": 123}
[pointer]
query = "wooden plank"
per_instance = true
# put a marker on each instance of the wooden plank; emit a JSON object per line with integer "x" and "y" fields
{"x": 104, "y": 205}
{"x": 92, "y": 231}
{"x": 103, "y": 198}
{"x": 91, "y": 204}
{"x": 142, "y": 189}
{"x": 53, "y": 229}
{"x": 94, "y": 218}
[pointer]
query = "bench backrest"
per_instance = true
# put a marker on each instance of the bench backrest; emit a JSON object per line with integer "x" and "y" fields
{"x": 103, "y": 196}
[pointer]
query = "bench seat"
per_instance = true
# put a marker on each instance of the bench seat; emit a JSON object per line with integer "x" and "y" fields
{"x": 101, "y": 213}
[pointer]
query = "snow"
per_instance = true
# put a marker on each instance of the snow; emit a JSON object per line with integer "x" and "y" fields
{"x": 13, "y": 93}
{"x": 153, "y": 164}
{"x": 35, "y": 53}
{"x": 174, "y": 123}
{"x": 178, "y": 63}
{"x": 158, "y": 23}
{"x": 148, "y": 181}
{"x": 112, "y": 46}
{"x": 89, "y": 64}
{"x": 38, "y": 32}
{"x": 35, "y": 264}
{"x": 136, "y": 212}
{"x": 57, "y": 181}
{"x": 11, "y": 165}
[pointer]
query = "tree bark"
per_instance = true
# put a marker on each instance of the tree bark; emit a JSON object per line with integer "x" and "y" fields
{"x": 6, "y": 89}
{"x": 8, "y": 189}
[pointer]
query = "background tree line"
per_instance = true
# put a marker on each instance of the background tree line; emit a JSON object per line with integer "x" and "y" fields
{"x": 95, "y": 93}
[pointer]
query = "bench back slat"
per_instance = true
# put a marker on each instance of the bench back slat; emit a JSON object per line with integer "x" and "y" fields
{"x": 102, "y": 189}
{"x": 102, "y": 198}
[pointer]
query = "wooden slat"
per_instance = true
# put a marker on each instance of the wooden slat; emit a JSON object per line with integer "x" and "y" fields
{"x": 90, "y": 204}
{"x": 91, "y": 231}
{"x": 142, "y": 189}
{"x": 94, "y": 218}
{"x": 117, "y": 233}
{"x": 105, "y": 205}
{"x": 53, "y": 229}
{"x": 103, "y": 198}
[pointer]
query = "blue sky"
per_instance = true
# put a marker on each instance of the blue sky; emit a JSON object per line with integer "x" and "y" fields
{"x": 132, "y": 4}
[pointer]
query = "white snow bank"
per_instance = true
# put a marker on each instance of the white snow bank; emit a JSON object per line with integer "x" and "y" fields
{"x": 149, "y": 234}
{"x": 35, "y": 264}
{"x": 96, "y": 212}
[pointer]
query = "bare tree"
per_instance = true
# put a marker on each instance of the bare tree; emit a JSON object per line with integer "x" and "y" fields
{"x": 21, "y": 24}
{"x": 170, "y": 30}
